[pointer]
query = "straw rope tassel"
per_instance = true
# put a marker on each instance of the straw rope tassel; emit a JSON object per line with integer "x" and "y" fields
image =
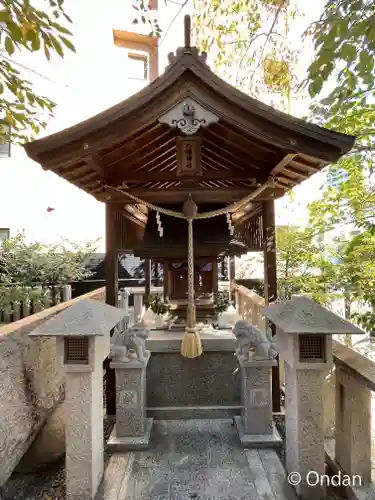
{"x": 191, "y": 346}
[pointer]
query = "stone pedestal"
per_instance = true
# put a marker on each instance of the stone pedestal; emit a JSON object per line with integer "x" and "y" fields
{"x": 304, "y": 428}
{"x": 255, "y": 426}
{"x": 304, "y": 340}
{"x": 82, "y": 344}
{"x": 84, "y": 455}
{"x": 132, "y": 429}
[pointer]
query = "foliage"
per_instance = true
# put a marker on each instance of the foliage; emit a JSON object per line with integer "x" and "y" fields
{"x": 342, "y": 80}
{"x": 146, "y": 17}
{"x": 344, "y": 38}
{"x": 23, "y": 26}
{"x": 299, "y": 257}
{"x": 29, "y": 268}
{"x": 221, "y": 301}
{"x": 345, "y": 42}
{"x": 247, "y": 40}
{"x": 249, "y": 45}
{"x": 255, "y": 284}
{"x": 157, "y": 305}
{"x": 359, "y": 262}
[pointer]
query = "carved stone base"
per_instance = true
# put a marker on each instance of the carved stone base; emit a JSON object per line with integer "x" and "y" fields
{"x": 115, "y": 443}
{"x": 272, "y": 440}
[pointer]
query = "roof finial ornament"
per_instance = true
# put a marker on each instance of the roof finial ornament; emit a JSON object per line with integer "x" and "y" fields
{"x": 188, "y": 49}
{"x": 187, "y": 26}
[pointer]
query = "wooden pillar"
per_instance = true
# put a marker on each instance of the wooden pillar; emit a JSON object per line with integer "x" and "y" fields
{"x": 166, "y": 279}
{"x": 222, "y": 269}
{"x": 111, "y": 290}
{"x": 111, "y": 255}
{"x": 148, "y": 278}
{"x": 270, "y": 283}
{"x": 215, "y": 281}
{"x": 232, "y": 276}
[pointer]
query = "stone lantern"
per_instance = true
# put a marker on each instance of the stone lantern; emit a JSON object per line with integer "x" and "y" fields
{"x": 304, "y": 332}
{"x": 82, "y": 334}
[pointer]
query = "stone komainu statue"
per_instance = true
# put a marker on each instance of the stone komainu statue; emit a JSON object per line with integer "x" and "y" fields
{"x": 134, "y": 339}
{"x": 251, "y": 338}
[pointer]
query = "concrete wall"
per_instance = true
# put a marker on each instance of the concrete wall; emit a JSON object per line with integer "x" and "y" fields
{"x": 32, "y": 384}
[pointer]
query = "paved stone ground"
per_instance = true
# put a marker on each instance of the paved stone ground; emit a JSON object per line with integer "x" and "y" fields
{"x": 196, "y": 459}
{"x": 48, "y": 484}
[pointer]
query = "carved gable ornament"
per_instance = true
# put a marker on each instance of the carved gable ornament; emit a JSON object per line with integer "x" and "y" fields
{"x": 189, "y": 117}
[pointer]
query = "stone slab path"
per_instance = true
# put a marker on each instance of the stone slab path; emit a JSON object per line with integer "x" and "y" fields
{"x": 195, "y": 459}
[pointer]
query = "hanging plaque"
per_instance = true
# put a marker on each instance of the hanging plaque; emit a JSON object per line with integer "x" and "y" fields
{"x": 189, "y": 156}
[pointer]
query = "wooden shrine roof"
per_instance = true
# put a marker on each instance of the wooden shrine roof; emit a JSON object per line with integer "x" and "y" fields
{"x": 127, "y": 146}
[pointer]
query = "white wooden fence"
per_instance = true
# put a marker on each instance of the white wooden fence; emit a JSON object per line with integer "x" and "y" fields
{"x": 35, "y": 300}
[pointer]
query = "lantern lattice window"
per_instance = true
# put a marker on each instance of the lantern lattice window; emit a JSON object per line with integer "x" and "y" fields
{"x": 312, "y": 348}
{"x": 76, "y": 351}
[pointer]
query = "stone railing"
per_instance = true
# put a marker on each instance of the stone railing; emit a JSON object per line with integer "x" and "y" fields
{"x": 250, "y": 306}
{"x": 350, "y": 443}
{"x": 32, "y": 386}
{"x": 349, "y": 419}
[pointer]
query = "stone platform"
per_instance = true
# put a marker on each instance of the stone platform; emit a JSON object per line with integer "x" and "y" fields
{"x": 195, "y": 459}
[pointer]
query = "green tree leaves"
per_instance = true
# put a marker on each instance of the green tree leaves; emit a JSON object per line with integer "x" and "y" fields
{"x": 24, "y": 26}
{"x": 344, "y": 37}
{"x": 258, "y": 60}
{"x": 26, "y": 266}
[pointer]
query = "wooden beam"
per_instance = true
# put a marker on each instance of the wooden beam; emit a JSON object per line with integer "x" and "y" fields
{"x": 179, "y": 195}
{"x": 282, "y": 164}
{"x": 149, "y": 194}
{"x": 224, "y": 128}
{"x": 133, "y": 218}
{"x": 93, "y": 161}
{"x": 92, "y": 176}
{"x": 248, "y": 215}
{"x": 292, "y": 174}
{"x": 171, "y": 175}
{"x": 90, "y": 186}
{"x": 133, "y": 141}
{"x": 242, "y": 211}
{"x": 133, "y": 154}
{"x": 270, "y": 283}
{"x": 168, "y": 155}
{"x": 232, "y": 147}
{"x": 304, "y": 167}
{"x": 160, "y": 145}
{"x": 135, "y": 212}
{"x": 222, "y": 153}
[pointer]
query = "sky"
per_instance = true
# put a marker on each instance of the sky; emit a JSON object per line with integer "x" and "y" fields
{"x": 82, "y": 85}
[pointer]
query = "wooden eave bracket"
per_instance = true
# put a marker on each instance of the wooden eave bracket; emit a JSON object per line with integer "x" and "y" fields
{"x": 132, "y": 213}
{"x": 93, "y": 161}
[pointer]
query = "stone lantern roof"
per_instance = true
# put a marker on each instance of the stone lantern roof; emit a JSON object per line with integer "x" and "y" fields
{"x": 86, "y": 318}
{"x": 303, "y": 315}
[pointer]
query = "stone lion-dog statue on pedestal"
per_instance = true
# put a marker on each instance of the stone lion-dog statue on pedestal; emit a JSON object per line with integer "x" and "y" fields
{"x": 130, "y": 344}
{"x": 250, "y": 338}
